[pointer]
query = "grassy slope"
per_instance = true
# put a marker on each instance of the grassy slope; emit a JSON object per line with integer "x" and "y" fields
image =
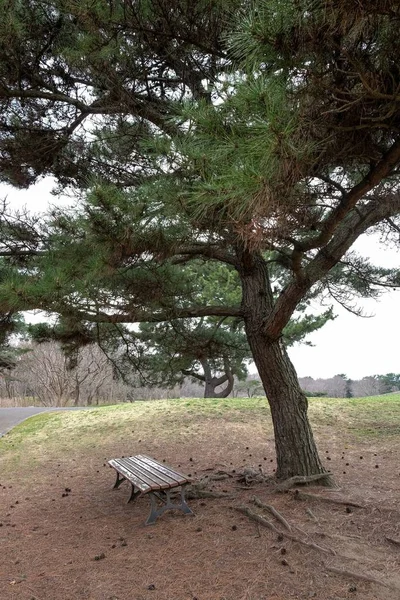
{"x": 46, "y": 435}
{"x": 372, "y": 416}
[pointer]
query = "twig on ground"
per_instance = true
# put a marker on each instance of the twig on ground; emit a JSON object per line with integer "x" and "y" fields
{"x": 297, "y": 495}
{"x": 194, "y": 493}
{"x": 273, "y": 511}
{"x": 311, "y": 514}
{"x": 301, "y": 480}
{"x": 361, "y": 576}
{"x": 255, "y": 517}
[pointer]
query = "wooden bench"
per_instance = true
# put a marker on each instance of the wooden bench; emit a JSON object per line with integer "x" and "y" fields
{"x": 147, "y": 476}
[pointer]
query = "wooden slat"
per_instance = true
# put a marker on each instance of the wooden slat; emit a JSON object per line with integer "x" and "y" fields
{"x": 127, "y": 473}
{"x": 178, "y": 477}
{"x": 164, "y": 474}
{"x": 142, "y": 475}
{"x": 139, "y": 483}
{"x": 149, "y": 475}
{"x": 144, "y": 478}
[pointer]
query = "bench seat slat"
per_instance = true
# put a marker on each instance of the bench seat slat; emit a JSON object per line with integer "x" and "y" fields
{"x": 150, "y": 476}
{"x": 135, "y": 471}
{"x": 157, "y": 470}
{"x": 147, "y": 474}
{"x": 139, "y": 483}
{"x": 175, "y": 475}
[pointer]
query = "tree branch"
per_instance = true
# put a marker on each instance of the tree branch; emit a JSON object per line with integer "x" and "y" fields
{"x": 137, "y": 106}
{"x": 194, "y": 375}
{"x": 381, "y": 170}
{"x": 351, "y": 227}
{"x": 143, "y": 316}
{"x": 206, "y": 251}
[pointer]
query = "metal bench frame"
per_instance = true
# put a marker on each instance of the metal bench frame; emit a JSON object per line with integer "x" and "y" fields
{"x": 148, "y": 476}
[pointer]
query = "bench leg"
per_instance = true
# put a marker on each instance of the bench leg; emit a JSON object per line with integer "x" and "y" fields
{"x": 118, "y": 482}
{"x": 134, "y": 494}
{"x": 184, "y": 507}
{"x": 156, "y": 511}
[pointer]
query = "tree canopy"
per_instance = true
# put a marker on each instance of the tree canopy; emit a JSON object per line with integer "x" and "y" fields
{"x": 263, "y": 136}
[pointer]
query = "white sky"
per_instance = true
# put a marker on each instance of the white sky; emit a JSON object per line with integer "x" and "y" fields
{"x": 357, "y": 346}
{"x": 352, "y": 345}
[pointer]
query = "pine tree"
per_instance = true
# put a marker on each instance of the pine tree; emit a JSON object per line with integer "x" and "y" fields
{"x": 250, "y": 134}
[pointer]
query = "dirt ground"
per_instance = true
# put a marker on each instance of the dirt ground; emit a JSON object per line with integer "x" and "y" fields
{"x": 66, "y": 534}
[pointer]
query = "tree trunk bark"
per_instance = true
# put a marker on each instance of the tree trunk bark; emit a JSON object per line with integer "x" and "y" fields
{"x": 208, "y": 389}
{"x": 214, "y": 382}
{"x": 296, "y": 451}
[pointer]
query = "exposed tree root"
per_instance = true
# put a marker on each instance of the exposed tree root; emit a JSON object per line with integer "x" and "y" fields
{"x": 215, "y": 476}
{"x": 262, "y": 521}
{"x": 303, "y": 480}
{"x": 297, "y": 495}
{"x": 392, "y": 541}
{"x": 199, "y": 490}
{"x": 361, "y": 576}
{"x": 249, "y": 476}
{"x": 219, "y": 477}
{"x": 274, "y": 512}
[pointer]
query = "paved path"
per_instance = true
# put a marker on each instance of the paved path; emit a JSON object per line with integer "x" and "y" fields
{"x": 9, "y": 417}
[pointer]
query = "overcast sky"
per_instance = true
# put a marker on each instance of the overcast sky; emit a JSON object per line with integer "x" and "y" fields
{"x": 352, "y": 345}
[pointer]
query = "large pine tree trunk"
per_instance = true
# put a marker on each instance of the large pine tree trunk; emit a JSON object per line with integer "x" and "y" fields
{"x": 296, "y": 450}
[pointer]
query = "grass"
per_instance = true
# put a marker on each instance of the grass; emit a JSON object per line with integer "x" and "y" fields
{"x": 374, "y": 416}
{"x": 66, "y": 433}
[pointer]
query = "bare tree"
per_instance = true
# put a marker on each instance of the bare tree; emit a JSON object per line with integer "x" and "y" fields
{"x": 368, "y": 386}
{"x": 45, "y": 371}
{"x": 93, "y": 376}
{"x": 44, "y": 374}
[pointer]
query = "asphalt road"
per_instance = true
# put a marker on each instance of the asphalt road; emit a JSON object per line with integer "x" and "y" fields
{"x": 9, "y": 417}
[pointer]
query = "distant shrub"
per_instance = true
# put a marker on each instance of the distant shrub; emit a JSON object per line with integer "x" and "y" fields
{"x": 314, "y": 394}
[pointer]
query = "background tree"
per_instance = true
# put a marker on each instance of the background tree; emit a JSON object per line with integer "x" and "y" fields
{"x": 339, "y": 386}
{"x": 368, "y": 386}
{"x": 43, "y": 374}
{"x": 206, "y": 351}
{"x": 210, "y": 350}
{"x": 296, "y": 160}
{"x": 250, "y": 387}
{"x": 390, "y": 382}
